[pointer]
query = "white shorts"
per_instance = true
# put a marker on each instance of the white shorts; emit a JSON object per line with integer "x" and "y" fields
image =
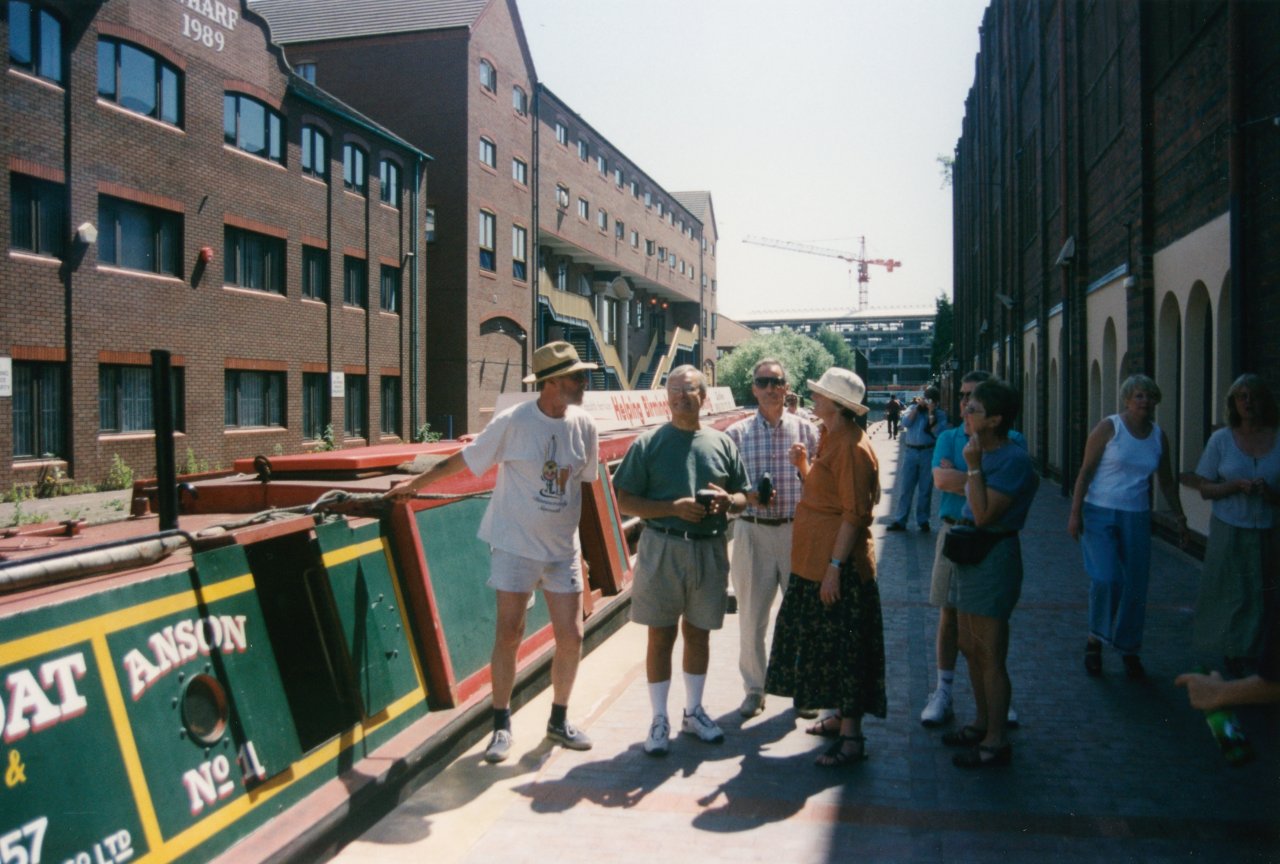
{"x": 520, "y": 575}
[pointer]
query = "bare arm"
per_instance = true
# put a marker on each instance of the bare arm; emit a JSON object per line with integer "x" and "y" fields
{"x": 437, "y": 472}
{"x": 987, "y": 505}
{"x": 1210, "y": 692}
{"x": 687, "y": 509}
{"x": 948, "y": 478}
{"x": 1093, "y": 447}
{"x": 829, "y": 591}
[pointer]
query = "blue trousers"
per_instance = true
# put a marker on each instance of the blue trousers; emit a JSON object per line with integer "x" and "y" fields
{"x": 916, "y": 479}
{"x": 1117, "y": 557}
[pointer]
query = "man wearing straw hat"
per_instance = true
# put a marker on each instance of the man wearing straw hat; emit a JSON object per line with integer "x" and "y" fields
{"x": 545, "y": 450}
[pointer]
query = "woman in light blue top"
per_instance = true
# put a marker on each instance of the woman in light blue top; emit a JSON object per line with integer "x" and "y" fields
{"x": 1000, "y": 484}
{"x": 1239, "y": 472}
{"x": 1111, "y": 509}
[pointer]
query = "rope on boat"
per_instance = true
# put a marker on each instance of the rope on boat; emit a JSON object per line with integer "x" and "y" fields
{"x": 151, "y": 549}
{"x": 105, "y": 558}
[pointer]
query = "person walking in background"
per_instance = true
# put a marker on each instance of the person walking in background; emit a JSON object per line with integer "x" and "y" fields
{"x": 761, "y": 558}
{"x": 1239, "y": 472}
{"x": 892, "y": 414}
{"x": 922, "y": 423}
{"x": 1000, "y": 484}
{"x": 794, "y": 406}
{"x": 828, "y": 640}
{"x": 681, "y": 478}
{"x": 950, "y": 478}
{"x": 1111, "y": 511}
{"x": 545, "y": 450}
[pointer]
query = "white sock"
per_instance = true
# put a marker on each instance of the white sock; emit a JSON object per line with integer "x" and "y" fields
{"x": 658, "y": 697}
{"x": 693, "y": 686}
{"x": 945, "y": 677}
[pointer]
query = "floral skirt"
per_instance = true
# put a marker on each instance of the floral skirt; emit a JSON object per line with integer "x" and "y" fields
{"x": 830, "y": 656}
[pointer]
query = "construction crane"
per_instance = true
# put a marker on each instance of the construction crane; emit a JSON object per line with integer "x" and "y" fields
{"x": 860, "y": 259}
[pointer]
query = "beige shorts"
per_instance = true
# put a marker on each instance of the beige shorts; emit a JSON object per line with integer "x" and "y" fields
{"x": 944, "y": 570}
{"x": 676, "y": 577}
{"x": 520, "y": 575}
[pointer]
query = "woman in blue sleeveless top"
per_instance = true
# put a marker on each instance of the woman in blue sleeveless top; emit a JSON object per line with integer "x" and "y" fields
{"x": 1111, "y": 512}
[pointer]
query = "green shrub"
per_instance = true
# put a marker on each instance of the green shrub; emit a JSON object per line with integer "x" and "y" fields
{"x": 425, "y": 435}
{"x": 119, "y": 476}
{"x": 327, "y": 441}
{"x": 194, "y": 464}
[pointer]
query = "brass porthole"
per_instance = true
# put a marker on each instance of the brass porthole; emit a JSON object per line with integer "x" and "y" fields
{"x": 204, "y": 708}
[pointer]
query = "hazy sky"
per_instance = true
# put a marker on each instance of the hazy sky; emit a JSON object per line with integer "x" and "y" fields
{"x": 814, "y": 121}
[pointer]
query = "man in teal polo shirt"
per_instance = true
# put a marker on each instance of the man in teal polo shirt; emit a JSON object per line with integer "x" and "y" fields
{"x": 681, "y": 478}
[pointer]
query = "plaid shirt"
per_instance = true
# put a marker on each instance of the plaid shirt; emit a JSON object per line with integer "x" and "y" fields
{"x": 766, "y": 448}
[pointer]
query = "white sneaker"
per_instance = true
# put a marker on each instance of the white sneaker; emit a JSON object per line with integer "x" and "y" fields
{"x": 938, "y": 711}
{"x": 659, "y": 736}
{"x": 699, "y": 724}
{"x": 499, "y": 746}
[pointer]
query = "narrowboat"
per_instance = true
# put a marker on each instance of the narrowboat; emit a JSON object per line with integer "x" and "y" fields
{"x": 237, "y": 676}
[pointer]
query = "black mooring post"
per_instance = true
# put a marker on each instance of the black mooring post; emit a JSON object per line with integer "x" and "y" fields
{"x": 162, "y": 421}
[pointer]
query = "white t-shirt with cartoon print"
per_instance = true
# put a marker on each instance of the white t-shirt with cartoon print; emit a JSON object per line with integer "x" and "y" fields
{"x": 542, "y": 463}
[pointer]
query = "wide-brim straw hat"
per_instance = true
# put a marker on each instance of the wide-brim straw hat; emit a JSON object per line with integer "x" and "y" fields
{"x": 842, "y": 387}
{"x": 555, "y": 359}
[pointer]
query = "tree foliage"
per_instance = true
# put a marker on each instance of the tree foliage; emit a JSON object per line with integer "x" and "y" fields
{"x": 947, "y": 167}
{"x": 943, "y": 333}
{"x": 841, "y": 353}
{"x": 803, "y": 358}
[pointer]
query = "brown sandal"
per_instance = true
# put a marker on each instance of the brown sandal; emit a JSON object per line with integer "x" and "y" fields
{"x": 827, "y": 727}
{"x": 840, "y": 754}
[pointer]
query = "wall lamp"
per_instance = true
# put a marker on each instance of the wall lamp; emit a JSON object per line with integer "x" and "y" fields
{"x": 87, "y": 233}
{"x": 1068, "y": 253}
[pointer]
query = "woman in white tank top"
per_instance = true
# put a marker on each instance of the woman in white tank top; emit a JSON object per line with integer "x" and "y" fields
{"x": 1111, "y": 511}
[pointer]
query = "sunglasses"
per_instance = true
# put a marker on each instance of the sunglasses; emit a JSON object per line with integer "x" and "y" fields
{"x": 765, "y": 381}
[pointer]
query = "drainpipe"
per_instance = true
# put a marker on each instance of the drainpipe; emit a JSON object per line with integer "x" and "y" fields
{"x": 1235, "y": 163}
{"x": 1064, "y": 340}
{"x": 419, "y": 261}
{"x": 534, "y": 336}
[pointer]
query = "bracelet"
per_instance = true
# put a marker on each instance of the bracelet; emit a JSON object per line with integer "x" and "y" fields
{"x": 836, "y": 563}
{"x": 975, "y": 472}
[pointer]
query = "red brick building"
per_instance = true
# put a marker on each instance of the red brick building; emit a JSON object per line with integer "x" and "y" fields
{"x": 172, "y": 185}
{"x": 1117, "y": 211}
{"x": 532, "y": 211}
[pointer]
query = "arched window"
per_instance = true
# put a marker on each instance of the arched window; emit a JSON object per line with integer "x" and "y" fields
{"x": 488, "y": 76}
{"x": 389, "y": 182}
{"x": 1109, "y": 370}
{"x": 1095, "y": 394}
{"x": 355, "y": 169}
{"x": 139, "y": 81}
{"x": 315, "y": 152}
{"x": 253, "y": 127}
{"x": 1198, "y": 374}
{"x": 35, "y": 41}
{"x": 1168, "y": 375}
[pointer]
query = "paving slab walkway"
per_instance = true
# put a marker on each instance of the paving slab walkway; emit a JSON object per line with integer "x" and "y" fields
{"x": 1105, "y": 769}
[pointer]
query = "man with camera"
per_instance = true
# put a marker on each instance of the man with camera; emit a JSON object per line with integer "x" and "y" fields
{"x": 761, "y": 561}
{"x": 922, "y": 423}
{"x": 681, "y": 479}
